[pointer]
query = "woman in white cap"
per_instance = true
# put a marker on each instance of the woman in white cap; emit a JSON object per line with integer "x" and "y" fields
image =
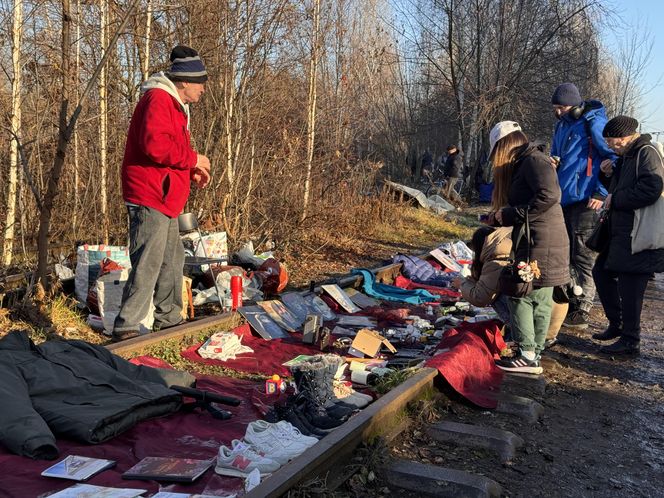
{"x": 526, "y": 184}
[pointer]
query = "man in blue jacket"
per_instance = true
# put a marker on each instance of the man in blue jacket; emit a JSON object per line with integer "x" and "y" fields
{"x": 578, "y": 149}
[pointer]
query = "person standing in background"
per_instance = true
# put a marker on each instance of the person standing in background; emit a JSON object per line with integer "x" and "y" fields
{"x": 578, "y": 149}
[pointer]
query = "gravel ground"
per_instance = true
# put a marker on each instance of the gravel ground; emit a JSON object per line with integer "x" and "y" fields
{"x": 602, "y": 432}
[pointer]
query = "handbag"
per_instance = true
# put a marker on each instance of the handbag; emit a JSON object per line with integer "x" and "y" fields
{"x": 599, "y": 238}
{"x": 516, "y": 279}
{"x": 648, "y": 229}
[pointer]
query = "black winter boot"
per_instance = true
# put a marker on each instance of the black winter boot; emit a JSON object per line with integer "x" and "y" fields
{"x": 287, "y": 412}
{"x": 316, "y": 414}
{"x": 610, "y": 333}
{"x": 310, "y": 378}
{"x": 624, "y": 345}
{"x": 352, "y": 399}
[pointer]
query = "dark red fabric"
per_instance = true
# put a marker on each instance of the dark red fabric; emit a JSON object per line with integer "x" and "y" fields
{"x": 465, "y": 358}
{"x": 267, "y": 357}
{"x": 448, "y": 294}
{"x": 190, "y": 435}
{"x": 158, "y": 158}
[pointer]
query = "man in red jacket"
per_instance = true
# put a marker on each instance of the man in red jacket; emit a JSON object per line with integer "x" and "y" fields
{"x": 159, "y": 165}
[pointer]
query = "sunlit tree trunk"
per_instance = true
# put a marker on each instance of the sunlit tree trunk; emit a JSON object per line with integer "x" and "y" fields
{"x": 311, "y": 106}
{"x": 103, "y": 121}
{"x": 146, "y": 50}
{"x": 10, "y": 222}
{"x": 77, "y": 72}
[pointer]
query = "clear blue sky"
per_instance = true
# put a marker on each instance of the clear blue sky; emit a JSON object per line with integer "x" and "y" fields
{"x": 638, "y": 15}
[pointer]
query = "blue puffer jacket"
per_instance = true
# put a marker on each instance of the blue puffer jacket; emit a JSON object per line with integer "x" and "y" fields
{"x": 570, "y": 143}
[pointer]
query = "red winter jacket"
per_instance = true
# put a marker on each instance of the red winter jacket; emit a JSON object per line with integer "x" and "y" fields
{"x": 158, "y": 158}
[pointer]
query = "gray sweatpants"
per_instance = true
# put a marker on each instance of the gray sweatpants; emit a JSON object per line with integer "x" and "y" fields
{"x": 157, "y": 260}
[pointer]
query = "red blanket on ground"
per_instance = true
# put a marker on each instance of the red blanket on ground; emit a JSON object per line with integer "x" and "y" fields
{"x": 465, "y": 358}
{"x": 447, "y": 294}
{"x": 267, "y": 357}
{"x": 182, "y": 435}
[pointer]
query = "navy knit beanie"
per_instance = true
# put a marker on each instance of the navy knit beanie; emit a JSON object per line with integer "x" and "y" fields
{"x": 186, "y": 66}
{"x": 567, "y": 94}
{"x": 620, "y": 126}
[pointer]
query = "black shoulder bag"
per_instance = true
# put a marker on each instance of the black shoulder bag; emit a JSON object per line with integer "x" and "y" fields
{"x": 599, "y": 238}
{"x": 516, "y": 279}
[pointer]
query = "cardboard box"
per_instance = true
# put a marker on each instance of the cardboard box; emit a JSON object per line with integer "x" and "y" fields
{"x": 368, "y": 342}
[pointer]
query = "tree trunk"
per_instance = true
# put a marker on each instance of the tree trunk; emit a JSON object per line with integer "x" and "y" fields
{"x": 311, "y": 116}
{"x": 103, "y": 121}
{"x": 65, "y": 131}
{"x": 77, "y": 75}
{"x": 10, "y": 224}
{"x": 146, "y": 51}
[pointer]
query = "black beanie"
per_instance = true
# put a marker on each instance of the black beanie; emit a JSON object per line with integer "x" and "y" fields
{"x": 186, "y": 66}
{"x": 567, "y": 94}
{"x": 620, "y": 126}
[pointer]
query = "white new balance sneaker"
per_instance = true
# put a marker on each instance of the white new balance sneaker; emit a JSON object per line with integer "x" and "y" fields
{"x": 241, "y": 459}
{"x": 280, "y": 442}
{"x": 294, "y": 433}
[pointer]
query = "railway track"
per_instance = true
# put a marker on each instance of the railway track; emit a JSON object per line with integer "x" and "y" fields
{"x": 381, "y": 419}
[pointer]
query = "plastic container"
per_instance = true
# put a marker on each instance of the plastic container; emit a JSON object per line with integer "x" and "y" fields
{"x": 236, "y": 292}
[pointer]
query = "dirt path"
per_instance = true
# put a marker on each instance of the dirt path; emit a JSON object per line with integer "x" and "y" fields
{"x": 602, "y": 432}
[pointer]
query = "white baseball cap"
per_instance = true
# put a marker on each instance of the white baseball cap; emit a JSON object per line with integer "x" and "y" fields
{"x": 501, "y": 130}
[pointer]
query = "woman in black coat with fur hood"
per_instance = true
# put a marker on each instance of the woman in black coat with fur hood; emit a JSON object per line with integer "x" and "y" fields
{"x": 621, "y": 277}
{"x": 526, "y": 184}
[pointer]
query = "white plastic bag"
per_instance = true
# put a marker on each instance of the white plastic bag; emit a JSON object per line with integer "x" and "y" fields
{"x": 88, "y": 261}
{"x": 109, "y": 297}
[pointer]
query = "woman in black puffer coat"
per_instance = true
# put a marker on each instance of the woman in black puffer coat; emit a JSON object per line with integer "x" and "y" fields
{"x": 526, "y": 182}
{"x": 620, "y": 276}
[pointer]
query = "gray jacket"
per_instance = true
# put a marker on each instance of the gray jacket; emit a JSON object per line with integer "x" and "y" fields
{"x": 76, "y": 390}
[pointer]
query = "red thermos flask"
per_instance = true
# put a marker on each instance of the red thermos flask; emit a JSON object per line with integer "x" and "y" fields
{"x": 236, "y": 291}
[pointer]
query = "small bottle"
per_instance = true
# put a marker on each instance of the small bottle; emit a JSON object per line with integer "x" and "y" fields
{"x": 429, "y": 310}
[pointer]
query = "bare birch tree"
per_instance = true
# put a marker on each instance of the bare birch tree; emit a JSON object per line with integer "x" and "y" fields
{"x": 14, "y": 161}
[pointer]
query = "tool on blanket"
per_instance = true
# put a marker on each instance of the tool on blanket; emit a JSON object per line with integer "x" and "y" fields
{"x": 204, "y": 399}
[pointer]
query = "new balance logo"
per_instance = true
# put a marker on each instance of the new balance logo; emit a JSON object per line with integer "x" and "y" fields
{"x": 240, "y": 462}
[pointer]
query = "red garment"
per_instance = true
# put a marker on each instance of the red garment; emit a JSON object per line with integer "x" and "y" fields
{"x": 158, "y": 156}
{"x": 465, "y": 358}
{"x": 448, "y": 294}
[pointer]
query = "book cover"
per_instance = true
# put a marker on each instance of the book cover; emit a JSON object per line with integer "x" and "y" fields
{"x": 297, "y": 360}
{"x": 338, "y": 294}
{"x": 77, "y": 468}
{"x": 167, "y": 494}
{"x": 446, "y": 260}
{"x": 362, "y": 300}
{"x": 261, "y": 322}
{"x": 296, "y": 305}
{"x": 89, "y": 491}
{"x": 168, "y": 469}
{"x": 317, "y": 306}
{"x": 280, "y": 314}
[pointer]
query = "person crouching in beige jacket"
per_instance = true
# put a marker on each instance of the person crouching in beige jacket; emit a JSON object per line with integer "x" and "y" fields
{"x": 492, "y": 248}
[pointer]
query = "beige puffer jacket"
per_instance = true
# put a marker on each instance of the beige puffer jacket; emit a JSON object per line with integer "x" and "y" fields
{"x": 494, "y": 257}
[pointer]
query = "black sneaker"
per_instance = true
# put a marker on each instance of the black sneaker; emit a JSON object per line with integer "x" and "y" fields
{"x": 577, "y": 319}
{"x": 610, "y": 333}
{"x": 550, "y": 342}
{"x": 520, "y": 364}
{"x": 624, "y": 345}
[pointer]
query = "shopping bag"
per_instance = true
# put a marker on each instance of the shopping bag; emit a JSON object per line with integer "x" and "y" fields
{"x": 599, "y": 238}
{"x": 648, "y": 229}
{"x": 88, "y": 264}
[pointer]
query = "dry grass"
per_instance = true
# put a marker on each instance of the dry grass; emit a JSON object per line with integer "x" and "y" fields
{"x": 328, "y": 252}
{"x": 49, "y": 317}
